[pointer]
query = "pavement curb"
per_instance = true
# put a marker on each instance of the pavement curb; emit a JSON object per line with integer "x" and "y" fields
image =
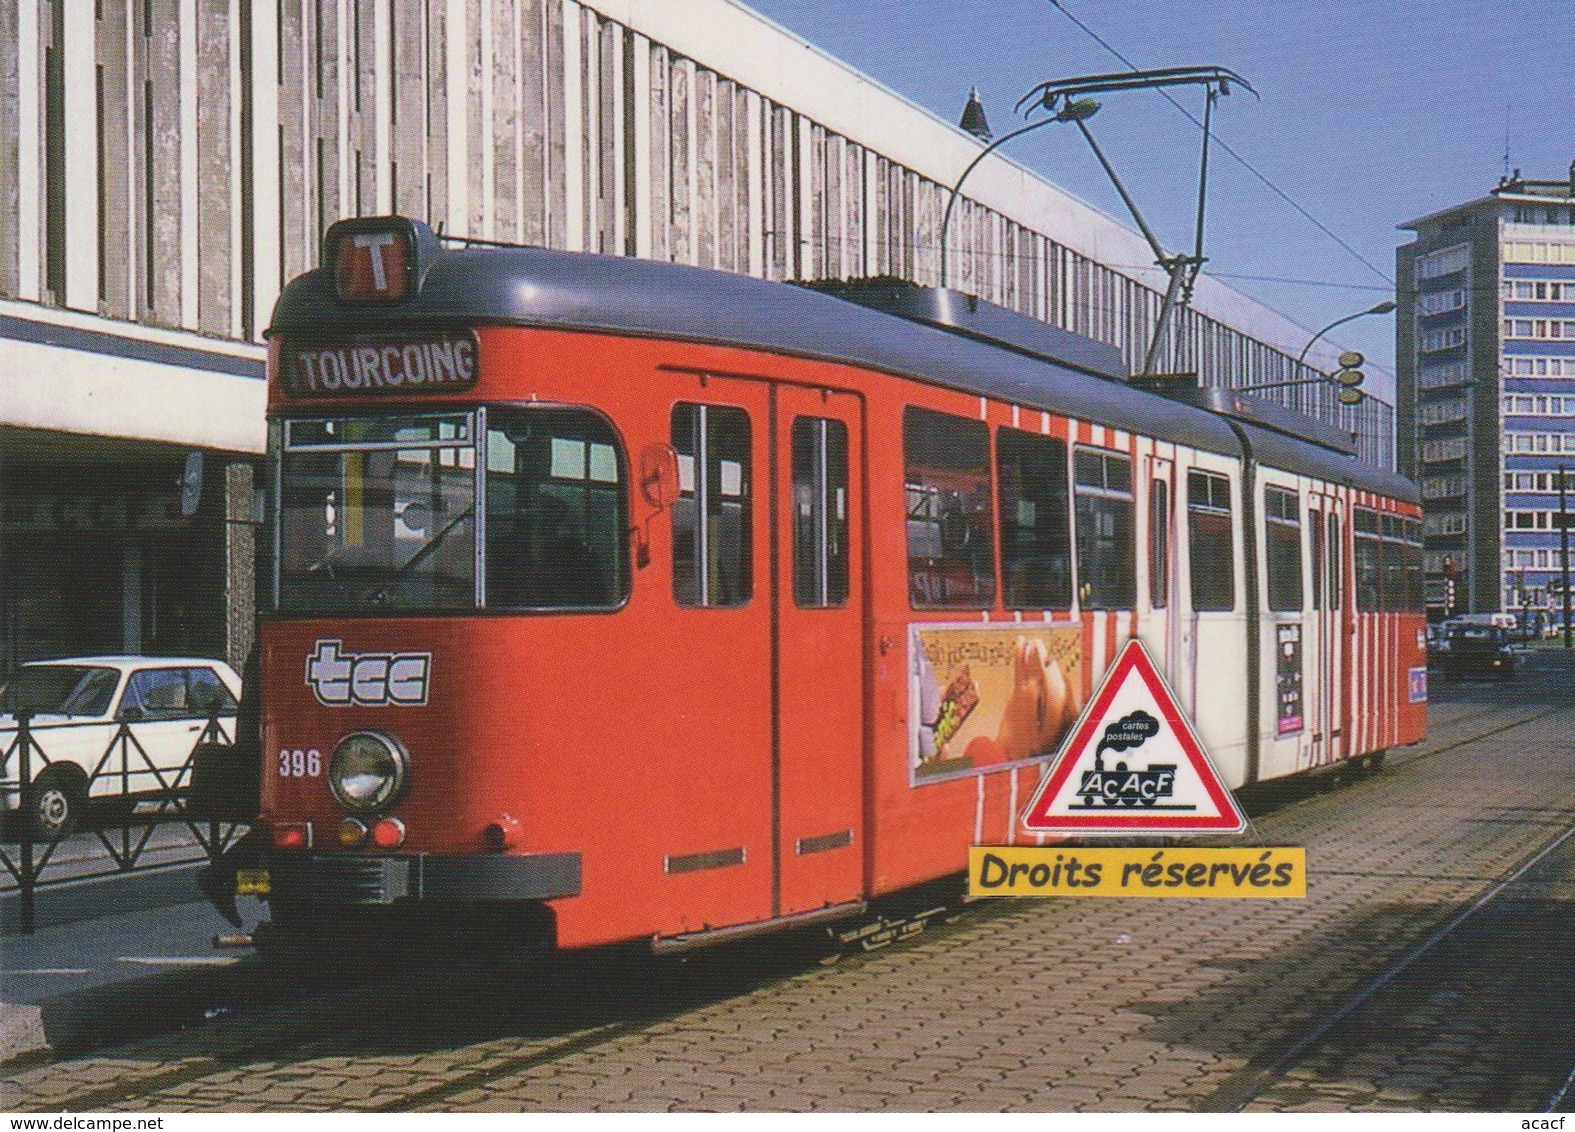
{"x": 21, "y": 1031}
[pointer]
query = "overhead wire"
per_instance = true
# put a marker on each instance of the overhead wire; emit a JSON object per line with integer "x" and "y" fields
{"x": 1281, "y": 193}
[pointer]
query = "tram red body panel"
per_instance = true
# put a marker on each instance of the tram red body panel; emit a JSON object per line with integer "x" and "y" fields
{"x": 721, "y": 763}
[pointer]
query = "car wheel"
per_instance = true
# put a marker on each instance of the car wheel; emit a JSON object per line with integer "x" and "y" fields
{"x": 54, "y": 805}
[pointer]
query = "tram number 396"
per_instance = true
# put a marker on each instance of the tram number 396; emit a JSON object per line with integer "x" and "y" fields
{"x": 300, "y": 764}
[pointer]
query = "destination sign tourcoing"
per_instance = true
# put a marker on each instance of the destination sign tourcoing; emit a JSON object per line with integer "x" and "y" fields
{"x": 429, "y": 363}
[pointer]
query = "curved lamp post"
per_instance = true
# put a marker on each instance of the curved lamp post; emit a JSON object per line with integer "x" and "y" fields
{"x": 1377, "y": 308}
{"x": 1347, "y": 378}
{"x": 1077, "y": 111}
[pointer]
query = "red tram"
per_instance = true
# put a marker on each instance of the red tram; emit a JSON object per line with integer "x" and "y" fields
{"x": 630, "y": 601}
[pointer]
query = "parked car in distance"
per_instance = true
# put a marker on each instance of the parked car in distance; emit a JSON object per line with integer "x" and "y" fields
{"x": 106, "y": 731}
{"x": 1479, "y": 649}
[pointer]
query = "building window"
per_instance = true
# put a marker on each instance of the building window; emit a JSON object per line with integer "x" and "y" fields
{"x": 1441, "y": 412}
{"x": 1440, "y": 451}
{"x": 1538, "y": 443}
{"x": 1537, "y": 290}
{"x": 1446, "y": 339}
{"x": 1538, "y": 405}
{"x": 1537, "y": 251}
{"x": 1539, "y": 367}
{"x": 1438, "y": 302}
{"x": 1446, "y": 261}
{"x": 1444, "y": 523}
{"x": 1443, "y": 487}
{"x": 1544, "y": 328}
{"x": 1438, "y": 376}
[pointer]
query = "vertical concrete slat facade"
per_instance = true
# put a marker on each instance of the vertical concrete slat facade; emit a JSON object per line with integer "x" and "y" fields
{"x": 28, "y": 47}
{"x": 165, "y": 165}
{"x": 214, "y": 172}
{"x": 77, "y": 43}
{"x": 117, "y": 125}
{"x": 188, "y": 137}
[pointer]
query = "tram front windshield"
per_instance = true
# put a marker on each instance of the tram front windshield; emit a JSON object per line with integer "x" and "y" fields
{"x": 380, "y": 513}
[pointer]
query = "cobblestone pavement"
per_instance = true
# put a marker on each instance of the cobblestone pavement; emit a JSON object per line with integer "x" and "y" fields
{"x": 1060, "y": 1005}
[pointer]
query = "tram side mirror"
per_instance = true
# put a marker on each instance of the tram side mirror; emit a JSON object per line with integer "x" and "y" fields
{"x": 659, "y": 475}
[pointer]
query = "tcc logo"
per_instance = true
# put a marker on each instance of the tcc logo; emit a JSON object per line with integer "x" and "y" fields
{"x": 371, "y": 678}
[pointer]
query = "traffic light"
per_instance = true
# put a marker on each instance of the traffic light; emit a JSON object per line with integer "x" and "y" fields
{"x": 1348, "y": 377}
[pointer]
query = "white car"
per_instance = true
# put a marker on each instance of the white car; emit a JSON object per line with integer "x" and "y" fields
{"x": 107, "y": 731}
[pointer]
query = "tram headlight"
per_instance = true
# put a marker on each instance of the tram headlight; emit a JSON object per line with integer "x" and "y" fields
{"x": 368, "y": 771}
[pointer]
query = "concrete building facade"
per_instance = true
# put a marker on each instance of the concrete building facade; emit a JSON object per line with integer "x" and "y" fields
{"x": 1485, "y": 394}
{"x": 165, "y": 165}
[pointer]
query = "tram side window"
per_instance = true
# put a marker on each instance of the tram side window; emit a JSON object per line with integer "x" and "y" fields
{"x": 1336, "y": 562}
{"x": 1369, "y": 556}
{"x": 1283, "y": 537}
{"x": 712, "y": 544}
{"x": 1158, "y": 543}
{"x": 1391, "y": 576}
{"x": 1036, "y": 539}
{"x": 1106, "y": 543}
{"x": 951, "y": 545}
{"x": 556, "y": 517}
{"x": 820, "y": 512}
{"x": 1315, "y": 538}
{"x": 1210, "y": 543}
{"x": 1411, "y": 559}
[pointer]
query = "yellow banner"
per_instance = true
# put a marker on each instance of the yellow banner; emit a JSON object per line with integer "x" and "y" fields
{"x": 1052, "y": 870}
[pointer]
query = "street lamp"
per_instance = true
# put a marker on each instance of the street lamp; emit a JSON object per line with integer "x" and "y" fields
{"x": 1377, "y": 308}
{"x": 1071, "y": 111}
{"x": 1348, "y": 377}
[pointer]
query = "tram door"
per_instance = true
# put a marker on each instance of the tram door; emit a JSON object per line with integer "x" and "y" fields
{"x": 1164, "y": 635}
{"x": 819, "y": 596}
{"x": 1326, "y": 673}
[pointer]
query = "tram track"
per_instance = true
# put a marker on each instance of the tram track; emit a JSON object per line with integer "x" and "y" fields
{"x": 1354, "y": 1024}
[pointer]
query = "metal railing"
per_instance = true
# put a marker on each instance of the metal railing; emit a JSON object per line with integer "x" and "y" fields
{"x": 126, "y": 835}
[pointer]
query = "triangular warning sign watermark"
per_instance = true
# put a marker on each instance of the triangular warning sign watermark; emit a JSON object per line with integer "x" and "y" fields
{"x": 1133, "y": 764}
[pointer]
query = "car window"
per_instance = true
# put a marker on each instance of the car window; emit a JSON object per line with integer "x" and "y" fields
{"x": 159, "y": 693}
{"x": 209, "y": 696}
{"x": 60, "y": 689}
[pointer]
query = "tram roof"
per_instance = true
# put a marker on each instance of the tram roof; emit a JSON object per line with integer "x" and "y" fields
{"x": 527, "y": 286}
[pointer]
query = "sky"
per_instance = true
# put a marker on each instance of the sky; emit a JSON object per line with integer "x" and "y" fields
{"x": 1369, "y": 113}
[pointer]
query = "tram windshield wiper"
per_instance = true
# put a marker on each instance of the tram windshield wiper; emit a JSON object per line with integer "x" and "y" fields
{"x": 381, "y": 592}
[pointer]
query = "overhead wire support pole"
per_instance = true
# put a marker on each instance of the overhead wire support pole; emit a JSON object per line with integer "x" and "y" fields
{"x": 1074, "y": 108}
{"x": 1198, "y": 259}
{"x": 1174, "y": 266}
{"x": 1182, "y": 270}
